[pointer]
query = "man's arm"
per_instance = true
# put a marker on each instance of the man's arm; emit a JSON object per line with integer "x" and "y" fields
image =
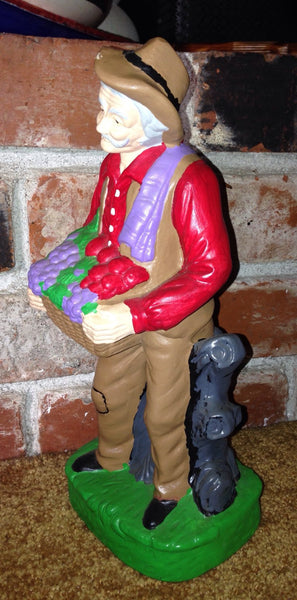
{"x": 197, "y": 217}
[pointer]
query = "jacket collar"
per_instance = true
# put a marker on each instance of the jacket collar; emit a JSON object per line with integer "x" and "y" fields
{"x": 138, "y": 167}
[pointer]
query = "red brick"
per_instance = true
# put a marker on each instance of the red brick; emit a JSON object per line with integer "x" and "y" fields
{"x": 49, "y": 92}
{"x": 264, "y": 394}
{"x": 263, "y": 212}
{"x": 11, "y": 438}
{"x": 66, "y": 421}
{"x": 32, "y": 347}
{"x": 265, "y": 313}
{"x": 59, "y": 204}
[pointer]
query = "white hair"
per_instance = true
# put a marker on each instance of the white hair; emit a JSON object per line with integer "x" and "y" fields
{"x": 153, "y": 128}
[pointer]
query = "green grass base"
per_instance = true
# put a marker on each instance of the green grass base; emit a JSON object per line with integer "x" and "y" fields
{"x": 185, "y": 545}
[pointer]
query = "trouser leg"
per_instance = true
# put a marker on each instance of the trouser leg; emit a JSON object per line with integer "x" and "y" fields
{"x": 167, "y": 399}
{"x": 118, "y": 384}
{"x": 168, "y": 395}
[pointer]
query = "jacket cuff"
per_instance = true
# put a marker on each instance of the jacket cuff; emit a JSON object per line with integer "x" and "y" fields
{"x": 139, "y": 318}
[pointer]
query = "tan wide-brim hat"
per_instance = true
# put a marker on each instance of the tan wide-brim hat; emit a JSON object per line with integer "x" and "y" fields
{"x": 153, "y": 75}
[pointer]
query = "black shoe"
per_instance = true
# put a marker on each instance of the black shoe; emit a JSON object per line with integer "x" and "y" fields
{"x": 156, "y": 512}
{"x": 86, "y": 462}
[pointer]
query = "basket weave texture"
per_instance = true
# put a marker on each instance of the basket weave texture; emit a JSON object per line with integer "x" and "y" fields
{"x": 76, "y": 332}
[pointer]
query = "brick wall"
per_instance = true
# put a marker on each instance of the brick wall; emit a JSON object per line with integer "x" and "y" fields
{"x": 240, "y": 113}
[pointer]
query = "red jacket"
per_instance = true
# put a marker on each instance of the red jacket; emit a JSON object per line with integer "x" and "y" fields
{"x": 197, "y": 218}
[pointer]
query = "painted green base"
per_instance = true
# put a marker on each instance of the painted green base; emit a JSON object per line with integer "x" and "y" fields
{"x": 185, "y": 545}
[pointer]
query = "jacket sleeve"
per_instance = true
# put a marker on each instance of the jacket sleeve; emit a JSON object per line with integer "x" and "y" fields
{"x": 197, "y": 217}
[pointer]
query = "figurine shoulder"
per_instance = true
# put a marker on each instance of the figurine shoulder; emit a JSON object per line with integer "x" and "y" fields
{"x": 199, "y": 170}
{"x": 199, "y": 179}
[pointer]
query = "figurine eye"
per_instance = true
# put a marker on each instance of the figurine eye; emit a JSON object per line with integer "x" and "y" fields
{"x": 117, "y": 119}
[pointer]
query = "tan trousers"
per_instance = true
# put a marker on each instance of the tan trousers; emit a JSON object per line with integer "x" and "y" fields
{"x": 158, "y": 359}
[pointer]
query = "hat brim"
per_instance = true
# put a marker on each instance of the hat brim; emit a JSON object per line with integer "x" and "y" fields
{"x": 114, "y": 70}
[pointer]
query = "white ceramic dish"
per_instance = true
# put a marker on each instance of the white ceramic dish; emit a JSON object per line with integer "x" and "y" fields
{"x": 81, "y": 11}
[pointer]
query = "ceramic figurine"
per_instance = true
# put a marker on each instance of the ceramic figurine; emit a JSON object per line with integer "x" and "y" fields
{"x": 136, "y": 285}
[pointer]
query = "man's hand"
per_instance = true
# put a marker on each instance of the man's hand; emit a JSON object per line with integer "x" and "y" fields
{"x": 108, "y": 324}
{"x": 35, "y": 301}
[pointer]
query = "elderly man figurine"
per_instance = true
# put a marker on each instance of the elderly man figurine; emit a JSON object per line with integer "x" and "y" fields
{"x": 160, "y": 253}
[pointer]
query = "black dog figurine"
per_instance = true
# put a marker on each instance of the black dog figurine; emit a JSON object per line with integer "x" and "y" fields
{"x": 211, "y": 419}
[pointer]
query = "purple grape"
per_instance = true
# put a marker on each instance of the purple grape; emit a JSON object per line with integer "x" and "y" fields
{"x": 73, "y": 304}
{"x": 35, "y": 276}
{"x": 47, "y": 270}
{"x": 72, "y": 235}
{"x": 78, "y": 272}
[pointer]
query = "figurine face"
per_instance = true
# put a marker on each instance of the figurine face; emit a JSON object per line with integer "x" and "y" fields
{"x": 118, "y": 122}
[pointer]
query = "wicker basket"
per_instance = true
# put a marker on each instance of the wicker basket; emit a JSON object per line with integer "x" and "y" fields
{"x": 76, "y": 332}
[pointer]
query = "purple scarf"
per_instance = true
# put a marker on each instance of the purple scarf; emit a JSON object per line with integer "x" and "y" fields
{"x": 141, "y": 226}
